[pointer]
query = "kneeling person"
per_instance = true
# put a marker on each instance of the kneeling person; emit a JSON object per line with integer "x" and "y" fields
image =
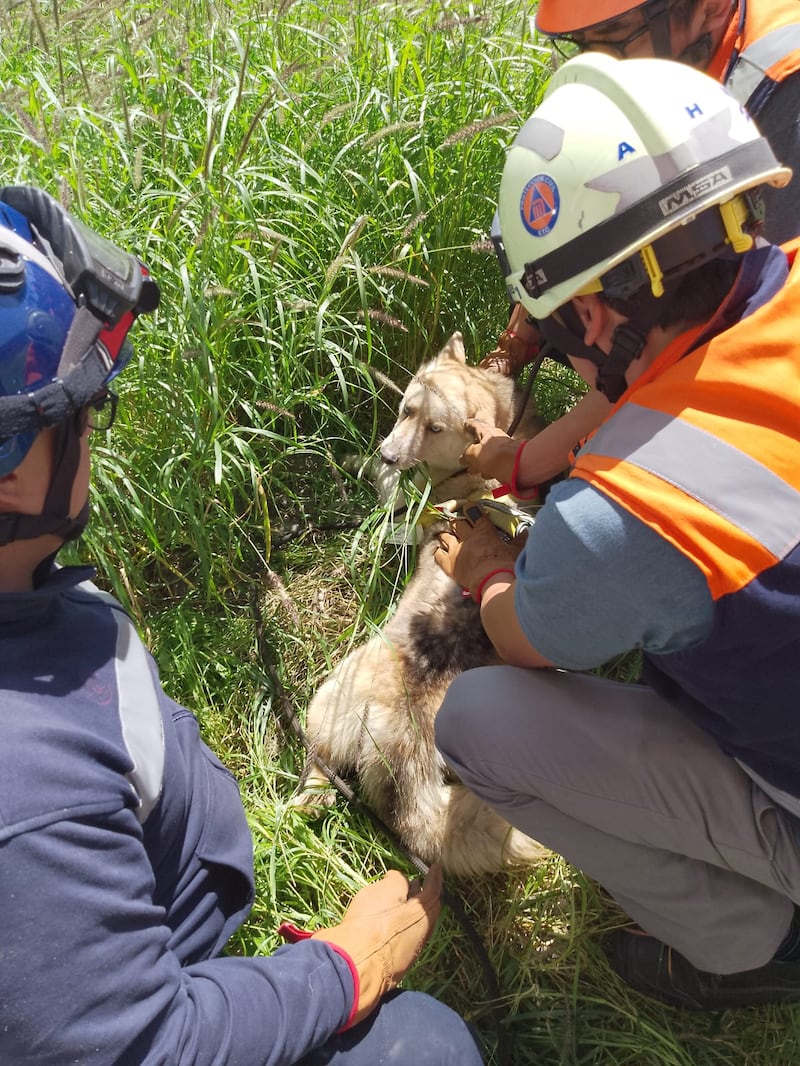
{"x": 628, "y": 226}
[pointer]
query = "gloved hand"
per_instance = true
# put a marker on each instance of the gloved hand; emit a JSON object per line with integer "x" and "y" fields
{"x": 493, "y": 453}
{"x": 470, "y": 553}
{"x": 517, "y": 345}
{"x": 383, "y": 931}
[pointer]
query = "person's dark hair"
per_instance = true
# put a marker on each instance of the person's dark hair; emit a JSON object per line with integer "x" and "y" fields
{"x": 688, "y": 300}
{"x": 682, "y": 9}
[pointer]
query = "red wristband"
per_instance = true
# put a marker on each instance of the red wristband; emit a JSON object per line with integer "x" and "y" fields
{"x": 532, "y": 345}
{"x": 477, "y": 595}
{"x": 292, "y": 934}
{"x": 356, "y": 984}
{"x": 521, "y": 494}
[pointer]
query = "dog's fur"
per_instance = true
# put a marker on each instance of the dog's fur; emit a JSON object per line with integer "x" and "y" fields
{"x": 375, "y": 712}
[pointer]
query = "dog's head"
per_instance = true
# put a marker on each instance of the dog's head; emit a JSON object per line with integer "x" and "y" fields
{"x": 441, "y": 396}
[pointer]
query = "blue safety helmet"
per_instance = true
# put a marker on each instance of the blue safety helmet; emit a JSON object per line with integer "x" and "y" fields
{"x": 67, "y": 300}
{"x": 36, "y": 313}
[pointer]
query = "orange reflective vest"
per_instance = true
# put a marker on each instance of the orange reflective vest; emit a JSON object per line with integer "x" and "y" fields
{"x": 705, "y": 449}
{"x": 760, "y": 48}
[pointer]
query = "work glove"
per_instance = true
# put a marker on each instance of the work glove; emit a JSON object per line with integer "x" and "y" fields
{"x": 472, "y": 552}
{"x": 517, "y": 345}
{"x": 383, "y": 931}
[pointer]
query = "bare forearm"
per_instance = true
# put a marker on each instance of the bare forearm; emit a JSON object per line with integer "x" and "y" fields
{"x": 500, "y": 622}
{"x": 547, "y": 454}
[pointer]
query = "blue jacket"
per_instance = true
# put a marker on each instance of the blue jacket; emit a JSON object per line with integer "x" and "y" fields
{"x": 126, "y": 863}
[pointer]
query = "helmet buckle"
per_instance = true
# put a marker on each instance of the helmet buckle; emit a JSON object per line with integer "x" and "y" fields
{"x": 534, "y": 280}
{"x": 653, "y": 270}
{"x": 735, "y": 214}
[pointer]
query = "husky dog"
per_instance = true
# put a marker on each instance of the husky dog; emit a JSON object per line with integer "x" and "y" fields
{"x": 374, "y": 713}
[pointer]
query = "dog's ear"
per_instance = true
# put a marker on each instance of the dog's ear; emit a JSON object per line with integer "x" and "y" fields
{"x": 453, "y": 349}
{"x": 488, "y": 412}
{"x": 493, "y": 399}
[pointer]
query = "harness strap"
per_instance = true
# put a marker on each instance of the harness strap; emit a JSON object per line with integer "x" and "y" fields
{"x": 55, "y": 516}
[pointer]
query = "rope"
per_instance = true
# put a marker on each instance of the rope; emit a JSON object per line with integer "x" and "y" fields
{"x": 535, "y": 367}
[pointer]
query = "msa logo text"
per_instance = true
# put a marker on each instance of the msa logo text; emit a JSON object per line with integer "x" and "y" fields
{"x": 692, "y": 191}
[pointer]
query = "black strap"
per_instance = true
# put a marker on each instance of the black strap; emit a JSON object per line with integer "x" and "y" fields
{"x": 30, "y": 526}
{"x": 55, "y": 517}
{"x": 656, "y": 13}
{"x": 59, "y": 400}
{"x": 627, "y": 343}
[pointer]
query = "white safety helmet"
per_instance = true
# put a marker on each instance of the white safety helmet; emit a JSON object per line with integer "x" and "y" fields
{"x": 607, "y": 186}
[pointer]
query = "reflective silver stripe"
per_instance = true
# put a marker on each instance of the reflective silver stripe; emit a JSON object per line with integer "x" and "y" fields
{"x": 718, "y": 475}
{"x": 754, "y": 62}
{"x": 139, "y": 709}
{"x": 783, "y": 799}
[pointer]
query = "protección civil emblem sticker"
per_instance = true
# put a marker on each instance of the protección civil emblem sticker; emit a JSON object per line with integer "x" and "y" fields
{"x": 539, "y": 205}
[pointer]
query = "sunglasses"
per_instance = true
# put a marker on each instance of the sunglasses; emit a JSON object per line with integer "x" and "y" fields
{"x": 580, "y": 42}
{"x": 100, "y": 412}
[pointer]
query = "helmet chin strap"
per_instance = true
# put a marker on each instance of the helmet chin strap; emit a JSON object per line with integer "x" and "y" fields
{"x": 656, "y": 13}
{"x": 55, "y": 517}
{"x": 627, "y": 344}
{"x": 697, "y": 53}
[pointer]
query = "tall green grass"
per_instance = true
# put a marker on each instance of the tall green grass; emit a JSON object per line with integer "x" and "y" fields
{"x": 312, "y": 186}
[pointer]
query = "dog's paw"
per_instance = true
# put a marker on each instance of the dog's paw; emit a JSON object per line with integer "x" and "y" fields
{"x": 314, "y": 797}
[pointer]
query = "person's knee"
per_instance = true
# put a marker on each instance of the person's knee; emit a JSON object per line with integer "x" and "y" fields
{"x": 430, "y": 1033}
{"x": 461, "y": 701}
{"x": 407, "y": 1027}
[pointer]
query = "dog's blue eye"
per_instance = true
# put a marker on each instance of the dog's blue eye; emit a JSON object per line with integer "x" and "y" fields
{"x": 436, "y": 427}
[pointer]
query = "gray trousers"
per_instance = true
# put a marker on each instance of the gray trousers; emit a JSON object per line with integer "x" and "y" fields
{"x": 629, "y": 791}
